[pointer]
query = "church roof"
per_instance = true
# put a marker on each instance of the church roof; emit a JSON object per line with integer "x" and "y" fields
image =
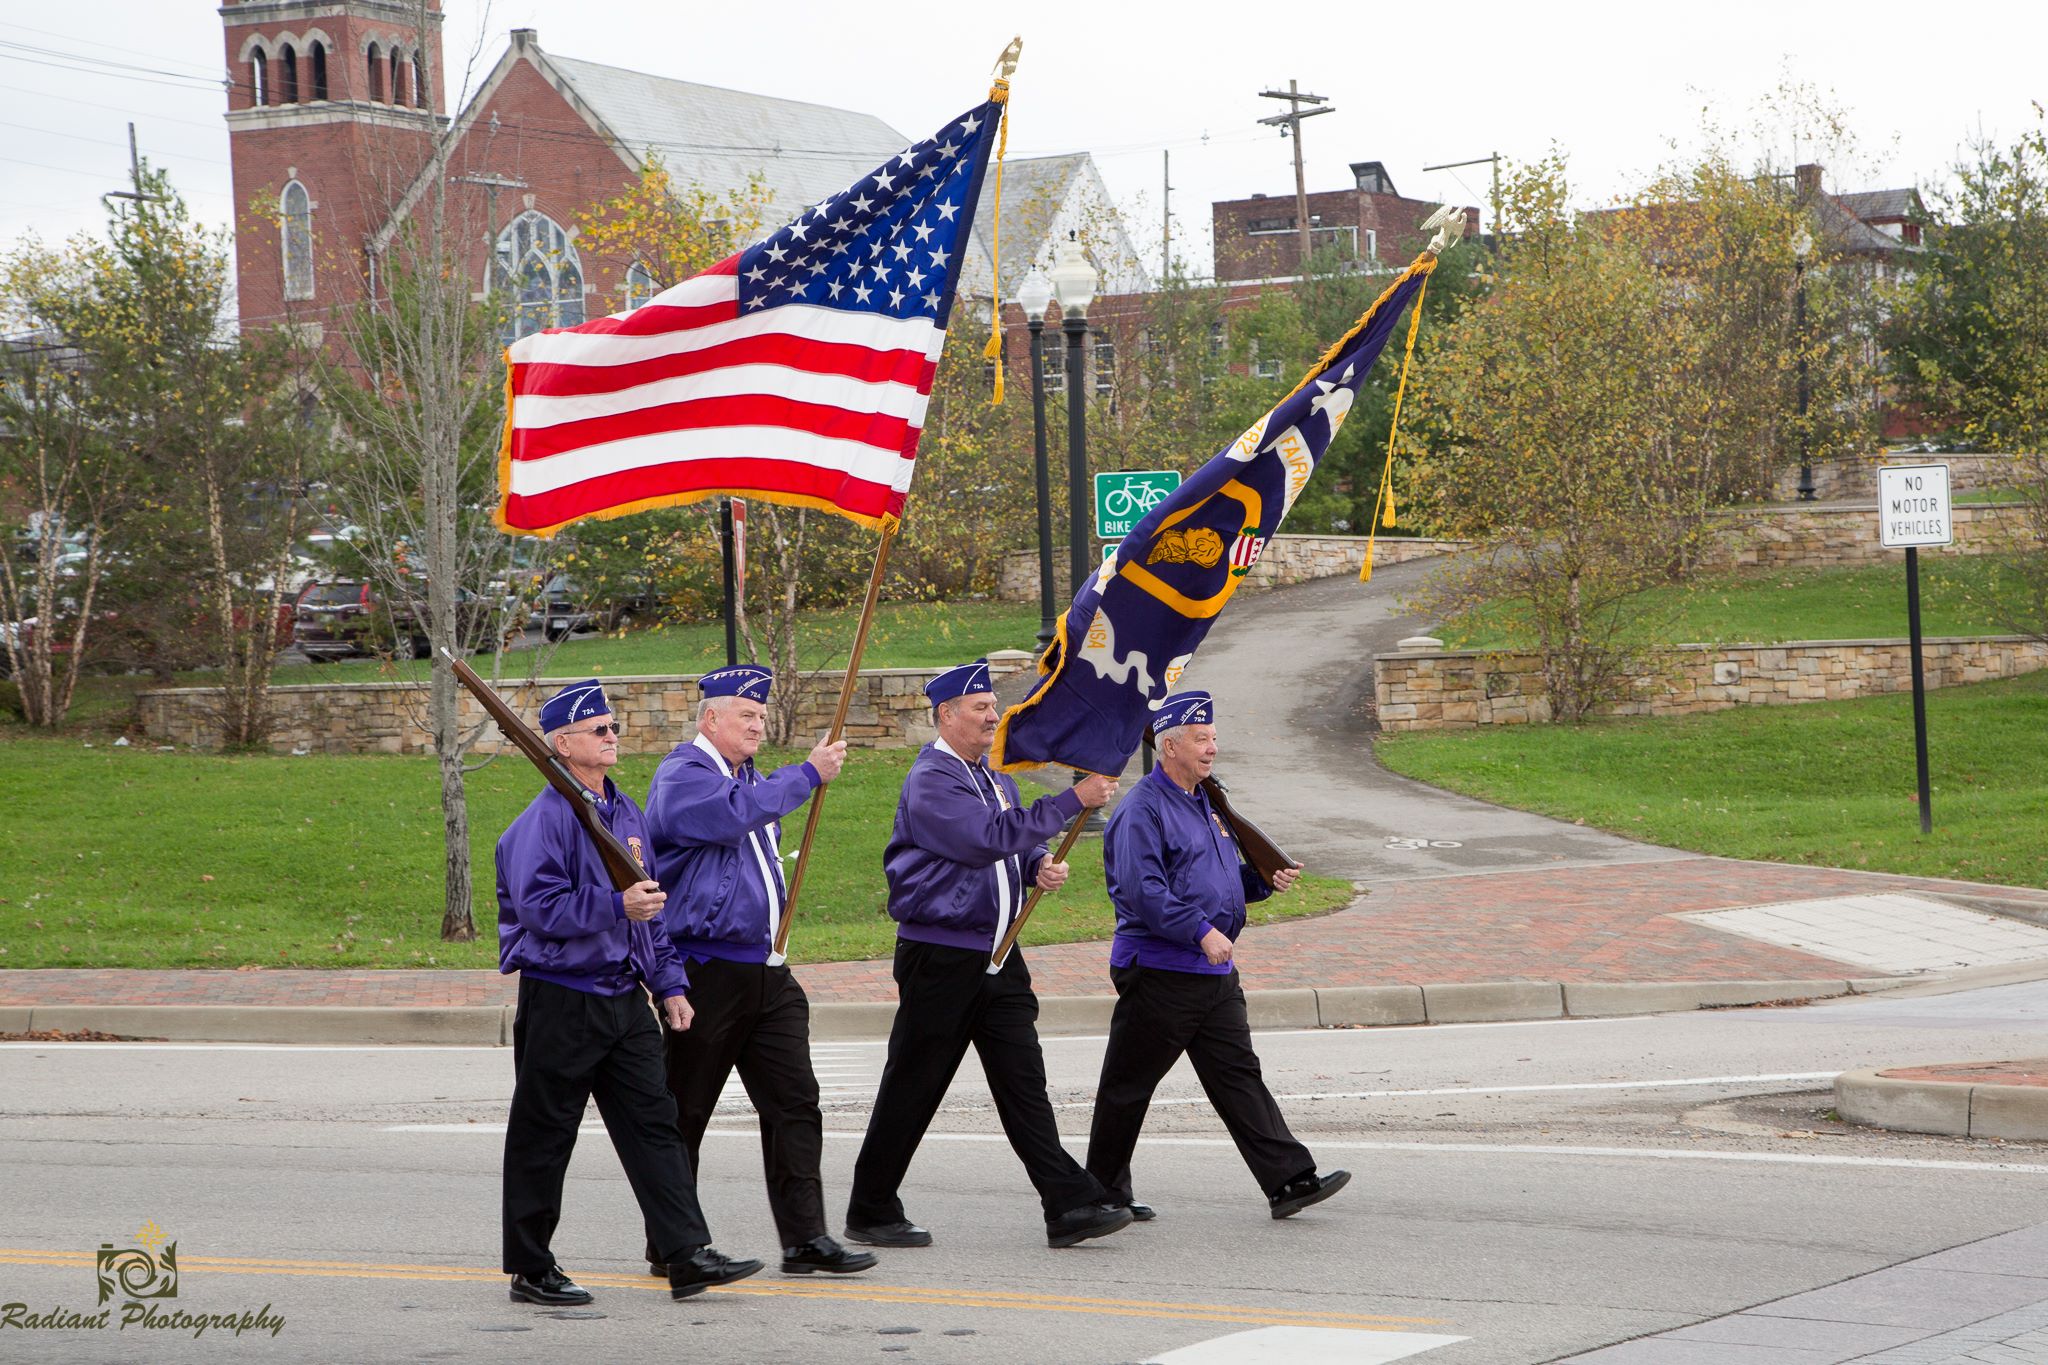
{"x": 1034, "y": 188}
{"x": 717, "y": 137}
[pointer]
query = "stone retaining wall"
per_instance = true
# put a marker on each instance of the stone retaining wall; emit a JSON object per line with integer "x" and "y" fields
{"x": 889, "y": 711}
{"x": 1458, "y": 689}
{"x": 1811, "y": 535}
{"x": 1856, "y": 476}
{"x": 1287, "y": 559}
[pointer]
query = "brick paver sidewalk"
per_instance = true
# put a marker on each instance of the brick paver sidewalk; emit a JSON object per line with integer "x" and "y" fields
{"x": 1587, "y": 924}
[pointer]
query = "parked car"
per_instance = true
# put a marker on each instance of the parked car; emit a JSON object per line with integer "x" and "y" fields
{"x": 346, "y": 618}
{"x": 565, "y": 608}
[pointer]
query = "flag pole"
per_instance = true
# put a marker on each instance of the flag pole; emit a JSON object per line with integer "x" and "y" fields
{"x": 1002, "y": 952}
{"x": 852, "y": 680}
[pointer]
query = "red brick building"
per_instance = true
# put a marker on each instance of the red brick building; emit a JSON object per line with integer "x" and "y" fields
{"x": 1370, "y": 222}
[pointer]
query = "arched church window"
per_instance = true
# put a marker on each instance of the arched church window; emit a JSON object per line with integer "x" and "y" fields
{"x": 288, "y": 74}
{"x": 419, "y": 82}
{"x": 319, "y": 71}
{"x": 397, "y": 85}
{"x": 538, "y": 266}
{"x": 296, "y": 209}
{"x": 376, "y": 65}
{"x": 639, "y": 285}
{"x": 259, "y": 78}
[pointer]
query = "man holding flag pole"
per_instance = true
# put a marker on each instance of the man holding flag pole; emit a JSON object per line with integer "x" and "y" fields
{"x": 1119, "y": 652}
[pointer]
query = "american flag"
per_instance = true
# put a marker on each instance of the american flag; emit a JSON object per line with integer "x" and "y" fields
{"x": 797, "y": 371}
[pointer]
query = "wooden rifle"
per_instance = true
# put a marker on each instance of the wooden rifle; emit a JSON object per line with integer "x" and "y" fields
{"x": 619, "y": 860}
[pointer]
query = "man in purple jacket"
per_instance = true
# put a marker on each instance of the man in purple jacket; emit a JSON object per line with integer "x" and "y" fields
{"x": 959, "y": 863}
{"x": 715, "y": 823}
{"x": 1180, "y": 891}
{"x": 588, "y": 957}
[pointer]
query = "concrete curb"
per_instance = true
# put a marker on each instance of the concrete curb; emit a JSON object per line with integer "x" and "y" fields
{"x": 1950, "y": 1108}
{"x": 1460, "y": 1002}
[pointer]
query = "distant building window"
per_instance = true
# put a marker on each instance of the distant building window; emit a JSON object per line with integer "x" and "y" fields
{"x": 538, "y": 266}
{"x": 1105, "y": 363}
{"x": 639, "y": 285}
{"x": 1217, "y": 338}
{"x": 319, "y": 71}
{"x": 288, "y": 74}
{"x": 1262, "y": 366}
{"x": 1372, "y": 244}
{"x": 376, "y": 65}
{"x": 419, "y": 83}
{"x": 1260, "y": 226}
{"x": 296, "y": 209}
{"x": 397, "y": 79}
{"x": 259, "y": 78}
{"x": 1055, "y": 369}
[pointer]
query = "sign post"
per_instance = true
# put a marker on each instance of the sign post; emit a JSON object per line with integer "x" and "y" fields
{"x": 1124, "y": 497}
{"x": 1913, "y": 509}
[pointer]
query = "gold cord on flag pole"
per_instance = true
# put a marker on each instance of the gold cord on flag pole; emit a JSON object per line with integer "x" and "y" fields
{"x": 1383, "y": 506}
{"x": 999, "y": 91}
{"x": 860, "y": 644}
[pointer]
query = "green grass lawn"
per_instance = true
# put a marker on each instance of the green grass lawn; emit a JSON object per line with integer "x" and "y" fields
{"x": 1993, "y": 495}
{"x": 1765, "y": 607}
{"x": 133, "y": 858}
{"x": 1828, "y": 783}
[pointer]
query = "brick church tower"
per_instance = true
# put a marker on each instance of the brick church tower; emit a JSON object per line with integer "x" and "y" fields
{"x": 332, "y": 110}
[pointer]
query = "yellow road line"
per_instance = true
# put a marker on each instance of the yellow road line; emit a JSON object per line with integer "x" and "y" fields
{"x": 843, "y": 1291}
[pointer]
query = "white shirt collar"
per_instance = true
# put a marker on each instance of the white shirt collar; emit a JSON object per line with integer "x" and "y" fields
{"x": 708, "y": 747}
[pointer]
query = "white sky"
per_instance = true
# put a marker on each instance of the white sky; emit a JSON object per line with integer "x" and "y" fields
{"x": 1612, "y": 84}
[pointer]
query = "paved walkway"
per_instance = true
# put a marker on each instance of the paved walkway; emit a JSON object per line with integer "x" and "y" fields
{"x": 1981, "y": 1304}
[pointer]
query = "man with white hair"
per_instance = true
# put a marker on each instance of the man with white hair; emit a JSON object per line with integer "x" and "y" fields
{"x": 588, "y": 957}
{"x": 959, "y": 862}
{"x": 716, "y": 825}
{"x": 1180, "y": 889}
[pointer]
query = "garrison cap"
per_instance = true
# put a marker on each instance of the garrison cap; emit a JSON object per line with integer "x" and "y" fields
{"x": 1183, "y": 708}
{"x": 750, "y": 681}
{"x": 958, "y": 682}
{"x": 577, "y": 701}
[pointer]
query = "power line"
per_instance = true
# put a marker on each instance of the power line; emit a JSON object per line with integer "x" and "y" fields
{"x": 90, "y": 42}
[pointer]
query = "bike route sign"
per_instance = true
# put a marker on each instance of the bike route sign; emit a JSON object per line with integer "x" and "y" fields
{"x": 1123, "y": 498}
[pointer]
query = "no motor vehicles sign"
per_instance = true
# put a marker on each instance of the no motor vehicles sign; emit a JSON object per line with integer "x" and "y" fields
{"x": 1913, "y": 506}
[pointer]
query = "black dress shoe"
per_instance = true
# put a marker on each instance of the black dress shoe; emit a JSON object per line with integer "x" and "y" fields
{"x": 551, "y": 1287}
{"x": 705, "y": 1269}
{"x": 1141, "y": 1213}
{"x": 655, "y": 1265}
{"x": 897, "y": 1234}
{"x": 823, "y": 1253}
{"x": 1298, "y": 1193}
{"x": 1090, "y": 1220}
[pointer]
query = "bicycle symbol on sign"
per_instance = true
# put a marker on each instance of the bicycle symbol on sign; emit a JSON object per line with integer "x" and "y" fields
{"x": 1133, "y": 500}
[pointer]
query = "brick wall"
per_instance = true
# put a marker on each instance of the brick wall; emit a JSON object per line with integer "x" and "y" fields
{"x": 1813, "y": 535}
{"x": 889, "y": 711}
{"x": 1459, "y": 689}
{"x": 1287, "y": 559}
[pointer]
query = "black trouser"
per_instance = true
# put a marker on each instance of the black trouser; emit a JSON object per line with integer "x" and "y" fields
{"x": 946, "y": 999}
{"x": 755, "y": 1017}
{"x": 568, "y": 1046}
{"x": 1159, "y": 1015}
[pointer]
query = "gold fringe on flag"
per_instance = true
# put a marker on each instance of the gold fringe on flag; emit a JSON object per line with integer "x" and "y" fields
{"x": 999, "y": 91}
{"x": 1383, "y": 508}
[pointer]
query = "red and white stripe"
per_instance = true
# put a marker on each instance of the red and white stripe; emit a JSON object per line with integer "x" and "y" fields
{"x": 684, "y": 397}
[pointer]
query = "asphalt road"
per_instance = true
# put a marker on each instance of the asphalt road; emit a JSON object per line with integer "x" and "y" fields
{"x": 1292, "y": 673}
{"x": 1530, "y": 1190}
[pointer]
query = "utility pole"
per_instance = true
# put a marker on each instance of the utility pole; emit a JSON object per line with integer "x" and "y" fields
{"x": 1291, "y": 122}
{"x": 1493, "y": 226}
{"x": 492, "y": 184}
{"x": 1165, "y": 214}
{"x": 134, "y": 190}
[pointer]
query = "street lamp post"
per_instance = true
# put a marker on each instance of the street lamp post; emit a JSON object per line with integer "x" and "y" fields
{"x": 1073, "y": 283}
{"x": 1034, "y": 295}
{"x": 1802, "y": 247}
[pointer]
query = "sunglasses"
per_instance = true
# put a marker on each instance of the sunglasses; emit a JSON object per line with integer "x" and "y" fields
{"x": 614, "y": 729}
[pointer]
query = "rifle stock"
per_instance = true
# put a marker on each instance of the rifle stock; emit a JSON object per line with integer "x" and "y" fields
{"x": 625, "y": 869}
{"x": 1265, "y": 856}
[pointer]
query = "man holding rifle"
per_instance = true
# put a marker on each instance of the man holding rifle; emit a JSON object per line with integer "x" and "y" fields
{"x": 715, "y": 823}
{"x": 1180, "y": 890}
{"x": 959, "y": 863}
{"x": 588, "y": 957}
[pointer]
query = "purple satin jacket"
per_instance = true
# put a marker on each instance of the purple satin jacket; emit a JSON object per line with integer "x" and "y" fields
{"x": 714, "y": 840}
{"x": 957, "y": 857}
{"x": 1174, "y": 874}
{"x": 558, "y": 917}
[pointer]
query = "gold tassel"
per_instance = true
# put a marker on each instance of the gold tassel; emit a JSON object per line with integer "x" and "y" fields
{"x": 1384, "y": 508}
{"x": 999, "y": 91}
